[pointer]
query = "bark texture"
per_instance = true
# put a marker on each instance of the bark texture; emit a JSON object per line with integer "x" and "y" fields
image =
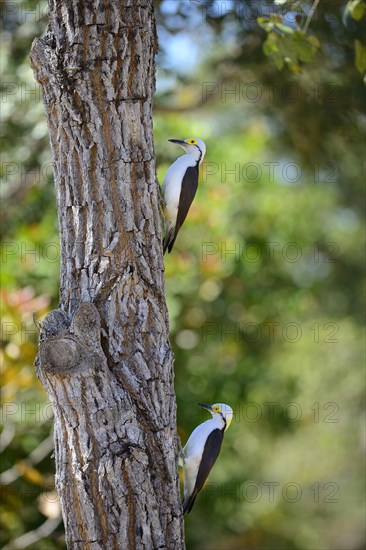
{"x": 104, "y": 357}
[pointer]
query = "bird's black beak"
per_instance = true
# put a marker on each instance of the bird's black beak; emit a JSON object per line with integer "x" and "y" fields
{"x": 205, "y": 406}
{"x": 178, "y": 141}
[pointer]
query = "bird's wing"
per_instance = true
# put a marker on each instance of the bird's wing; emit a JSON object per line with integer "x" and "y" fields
{"x": 187, "y": 194}
{"x": 209, "y": 456}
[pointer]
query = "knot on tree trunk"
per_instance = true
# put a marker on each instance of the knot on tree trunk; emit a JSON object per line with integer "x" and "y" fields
{"x": 69, "y": 347}
{"x": 41, "y": 57}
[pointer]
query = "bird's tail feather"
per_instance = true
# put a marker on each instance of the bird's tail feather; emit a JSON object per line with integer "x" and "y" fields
{"x": 168, "y": 240}
{"x": 188, "y": 503}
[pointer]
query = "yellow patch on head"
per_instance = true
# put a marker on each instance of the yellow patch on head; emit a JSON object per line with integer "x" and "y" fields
{"x": 191, "y": 141}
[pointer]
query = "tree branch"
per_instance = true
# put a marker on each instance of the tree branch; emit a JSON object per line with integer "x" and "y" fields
{"x": 310, "y": 16}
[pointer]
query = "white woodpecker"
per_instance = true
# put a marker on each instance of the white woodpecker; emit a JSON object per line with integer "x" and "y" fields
{"x": 180, "y": 186}
{"x": 202, "y": 449}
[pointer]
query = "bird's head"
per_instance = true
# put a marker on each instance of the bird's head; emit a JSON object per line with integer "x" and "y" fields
{"x": 220, "y": 411}
{"x": 193, "y": 146}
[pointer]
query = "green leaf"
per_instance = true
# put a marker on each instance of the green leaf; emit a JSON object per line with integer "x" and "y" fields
{"x": 314, "y": 41}
{"x": 287, "y": 46}
{"x": 268, "y": 26}
{"x": 304, "y": 47}
{"x": 265, "y": 23}
{"x": 295, "y": 67}
{"x": 357, "y": 9}
{"x": 360, "y": 57}
{"x": 268, "y": 48}
{"x": 279, "y": 61}
{"x": 284, "y": 28}
{"x": 274, "y": 39}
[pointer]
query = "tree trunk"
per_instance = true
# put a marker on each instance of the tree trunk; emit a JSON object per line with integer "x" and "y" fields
{"x": 104, "y": 357}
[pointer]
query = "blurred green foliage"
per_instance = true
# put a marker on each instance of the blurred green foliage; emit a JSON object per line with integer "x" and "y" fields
{"x": 354, "y": 18}
{"x": 264, "y": 284}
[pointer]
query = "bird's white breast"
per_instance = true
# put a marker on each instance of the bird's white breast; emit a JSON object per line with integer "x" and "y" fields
{"x": 198, "y": 437}
{"x": 172, "y": 184}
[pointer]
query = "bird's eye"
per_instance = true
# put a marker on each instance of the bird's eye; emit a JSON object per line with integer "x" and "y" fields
{"x": 192, "y": 142}
{"x": 216, "y": 409}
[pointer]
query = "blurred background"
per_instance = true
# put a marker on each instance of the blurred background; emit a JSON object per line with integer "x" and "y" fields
{"x": 264, "y": 285}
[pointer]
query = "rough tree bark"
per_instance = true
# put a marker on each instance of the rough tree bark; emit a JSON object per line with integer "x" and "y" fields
{"x": 104, "y": 357}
